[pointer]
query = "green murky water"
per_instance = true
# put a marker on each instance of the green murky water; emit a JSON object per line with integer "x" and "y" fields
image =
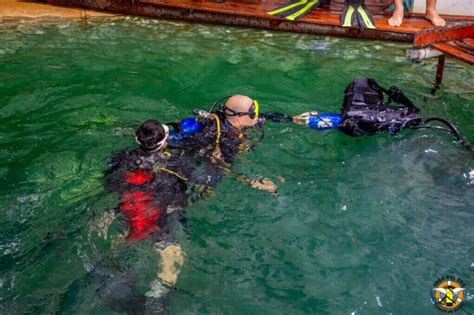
{"x": 361, "y": 226}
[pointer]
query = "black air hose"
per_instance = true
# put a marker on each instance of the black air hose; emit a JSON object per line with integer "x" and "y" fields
{"x": 451, "y": 128}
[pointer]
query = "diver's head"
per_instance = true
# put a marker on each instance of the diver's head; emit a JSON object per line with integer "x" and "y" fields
{"x": 241, "y": 111}
{"x": 151, "y": 136}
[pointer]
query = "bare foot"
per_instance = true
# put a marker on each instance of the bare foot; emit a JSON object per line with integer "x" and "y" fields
{"x": 397, "y": 17}
{"x": 434, "y": 18}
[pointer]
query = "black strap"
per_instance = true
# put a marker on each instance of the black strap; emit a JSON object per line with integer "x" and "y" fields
{"x": 397, "y": 95}
{"x": 360, "y": 85}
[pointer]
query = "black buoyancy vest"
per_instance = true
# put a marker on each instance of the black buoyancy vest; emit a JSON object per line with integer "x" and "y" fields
{"x": 364, "y": 111}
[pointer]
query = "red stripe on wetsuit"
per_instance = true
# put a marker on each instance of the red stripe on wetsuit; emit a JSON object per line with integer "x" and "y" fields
{"x": 138, "y": 206}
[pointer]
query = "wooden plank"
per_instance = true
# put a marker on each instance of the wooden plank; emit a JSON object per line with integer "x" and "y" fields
{"x": 247, "y": 13}
{"x": 319, "y": 16}
{"x": 269, "y": 22}
{"x": 253, "y": 13}
{"x": 454, "y": 51}
{"x": 466, "y": 45}
{"x": 439, "y": 35}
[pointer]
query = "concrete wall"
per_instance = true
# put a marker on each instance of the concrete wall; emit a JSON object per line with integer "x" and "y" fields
{"x": 452, "y": 7}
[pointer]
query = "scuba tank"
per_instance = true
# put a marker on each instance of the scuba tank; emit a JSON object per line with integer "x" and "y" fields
{"x": 365, "y": 112}
{"x": 183, "y": 129}
{"x": 323, "y": 121}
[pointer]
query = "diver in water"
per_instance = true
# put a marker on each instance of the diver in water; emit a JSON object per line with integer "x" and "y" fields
{"x": 366, "y": 112}
{"x": 225, "y": 131}
{"x": 151, "y": 180}
{"x": 154, "y": 183}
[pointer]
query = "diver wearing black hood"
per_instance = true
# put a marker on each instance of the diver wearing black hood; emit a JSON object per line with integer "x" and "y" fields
{"x": 154, "y": 184}
{"x": 150, "y": 180}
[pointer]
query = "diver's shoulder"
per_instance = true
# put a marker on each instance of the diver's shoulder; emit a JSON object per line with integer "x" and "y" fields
{"x": 124, "y": 154}
{"x": 121, "y": 157}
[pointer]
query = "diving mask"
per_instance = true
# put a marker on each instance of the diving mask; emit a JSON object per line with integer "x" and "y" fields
{"x": 252, "y": 112}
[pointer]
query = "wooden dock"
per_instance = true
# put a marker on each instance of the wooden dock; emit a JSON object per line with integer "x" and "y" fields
{"x": 454, "y": 39}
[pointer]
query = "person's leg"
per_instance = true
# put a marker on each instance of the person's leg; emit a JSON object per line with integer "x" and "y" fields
{"x": 172, "y": 259}
{"x": 432, "y": 15}
{"x": 397, "y": 16}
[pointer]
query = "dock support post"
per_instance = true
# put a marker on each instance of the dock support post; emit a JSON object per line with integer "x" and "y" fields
{"x": 439, "y": 74}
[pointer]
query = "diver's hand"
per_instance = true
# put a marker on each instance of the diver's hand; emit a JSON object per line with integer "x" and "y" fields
{"x": 216, "y": 156}
{"x": 302, "y": 119}
{"x": 264, "y": 184}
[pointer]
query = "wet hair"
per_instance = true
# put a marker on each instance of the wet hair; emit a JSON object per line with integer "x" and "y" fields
{"x": 149, "y": 134}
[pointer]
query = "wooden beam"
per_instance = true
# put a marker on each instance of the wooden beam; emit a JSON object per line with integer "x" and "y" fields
{"x": 440, "y": 35}
{"x": 439, "y": 74}
{"x": 247, "y": 13}
{"x": 451, "y": 49}
{"x": 258, "y": 20}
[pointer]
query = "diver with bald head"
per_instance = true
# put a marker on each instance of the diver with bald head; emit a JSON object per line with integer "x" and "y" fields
{"x": 225, "y": 129}
{"x": 241, "y": 111}
{"x": 232, "y": 125}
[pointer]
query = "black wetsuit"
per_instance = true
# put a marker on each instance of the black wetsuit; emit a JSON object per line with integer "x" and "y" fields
{"x": 154, "y": 189}
{"x": 228, "y": 141}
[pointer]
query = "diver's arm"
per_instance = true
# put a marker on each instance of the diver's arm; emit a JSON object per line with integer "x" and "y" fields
{"x": 198, "y": 145}
{"x": 254, "y": 182}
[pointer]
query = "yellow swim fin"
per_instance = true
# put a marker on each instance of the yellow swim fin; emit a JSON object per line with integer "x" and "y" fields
{"x": 357, "y": 15}
{"x": 295, "y": 9}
